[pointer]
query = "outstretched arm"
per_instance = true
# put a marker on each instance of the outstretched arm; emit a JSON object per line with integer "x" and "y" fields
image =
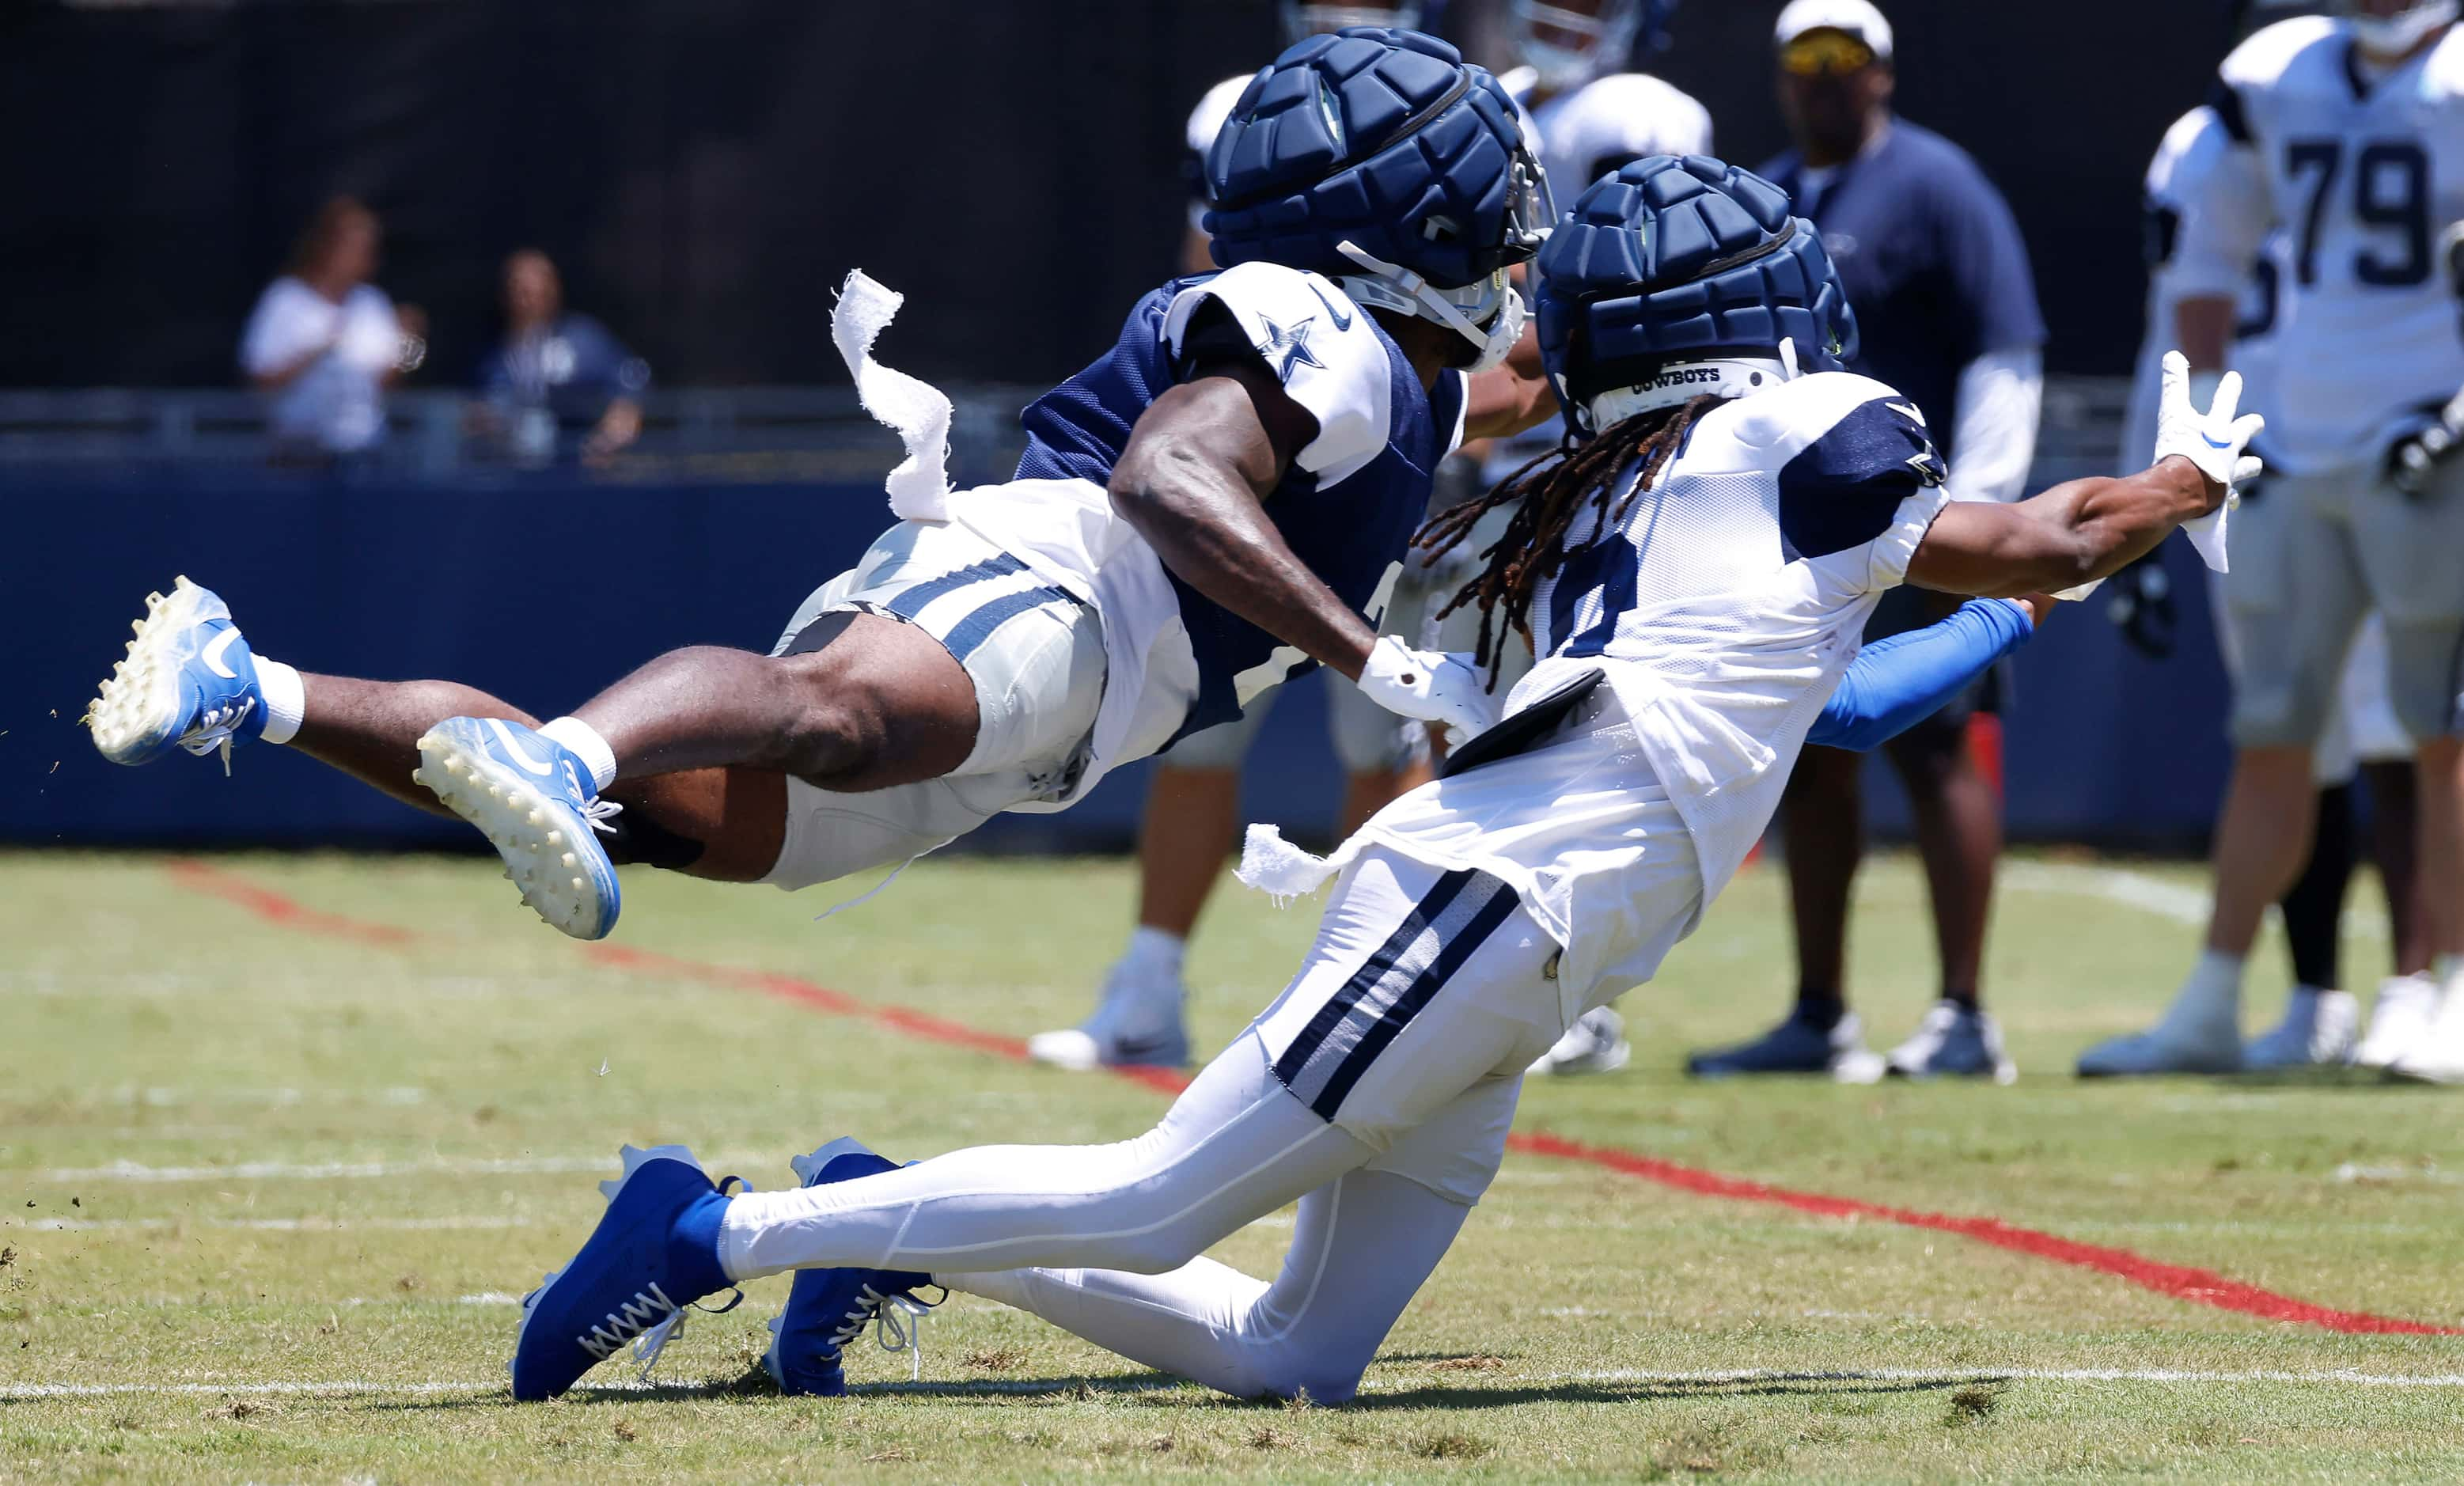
{"x": 1193, "y": 482}
{"x": 2071, "y": 535}
{"x": 2081, "y": 531}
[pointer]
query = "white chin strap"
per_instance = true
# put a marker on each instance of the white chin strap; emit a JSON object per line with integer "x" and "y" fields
{"x": 2394, "y": 35}
{"x": 1682, "y": 381}
{"x": 1488, "y": 314}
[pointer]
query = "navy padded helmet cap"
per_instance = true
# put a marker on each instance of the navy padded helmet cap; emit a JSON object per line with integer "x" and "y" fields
{"x": 1386, "y": 139}
{"x": 1683, "y": 259}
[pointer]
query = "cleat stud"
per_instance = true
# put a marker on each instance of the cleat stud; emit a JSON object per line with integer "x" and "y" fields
{"x": 568, "y": 860}
{"x": 419, "y": 776}
{"x": 538, "y": 817}
{"x": 555, "y": 838}
{"x": 579, "y": 884}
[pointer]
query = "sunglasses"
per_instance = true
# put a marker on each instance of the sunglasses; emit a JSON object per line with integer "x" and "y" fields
{"x": 1825, "y": 51}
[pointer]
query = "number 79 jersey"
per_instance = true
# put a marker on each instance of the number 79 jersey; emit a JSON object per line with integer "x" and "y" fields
{"x": 2361, "y": 169}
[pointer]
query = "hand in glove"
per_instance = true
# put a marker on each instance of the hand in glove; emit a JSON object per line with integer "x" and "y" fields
{"x": 2212, "y": 439}
{"x": 2413, "y": 461}
{"x": 1430, "y": 687}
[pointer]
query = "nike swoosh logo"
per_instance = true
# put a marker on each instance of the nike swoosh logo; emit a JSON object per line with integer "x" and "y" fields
{"x": 505, "y": 735}
{"x": 2213, "y": 444}
{"x": 1910, "y": 409}
{"x": 1342, "y": 321}
{"x": 212, "y": 654}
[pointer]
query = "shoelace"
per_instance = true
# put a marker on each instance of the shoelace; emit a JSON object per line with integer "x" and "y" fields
{"x": 900, "y": 1318}
{"x": 648, "y": 1347}
{"x": 214, "y": 729}
{"x": 599, "y": 812}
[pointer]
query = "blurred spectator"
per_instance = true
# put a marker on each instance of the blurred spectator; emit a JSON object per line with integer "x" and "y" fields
{"x": 557, "y": 368}
{"x": 1947, "y": 311}
{"x": 323, "y": 343}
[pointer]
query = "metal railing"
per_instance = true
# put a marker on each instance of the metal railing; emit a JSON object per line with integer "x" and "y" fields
{"x": 692, "y": 434}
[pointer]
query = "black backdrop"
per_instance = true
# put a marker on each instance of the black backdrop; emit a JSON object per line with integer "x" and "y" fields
{"x": 708, "y": 169}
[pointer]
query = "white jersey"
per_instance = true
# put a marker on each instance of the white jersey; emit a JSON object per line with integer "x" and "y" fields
{"x": 2360, "y": 174}
{"x": 1724, "y": 605}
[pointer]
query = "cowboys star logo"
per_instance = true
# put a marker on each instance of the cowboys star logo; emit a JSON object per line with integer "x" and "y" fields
{"x": 1285, "y": 349}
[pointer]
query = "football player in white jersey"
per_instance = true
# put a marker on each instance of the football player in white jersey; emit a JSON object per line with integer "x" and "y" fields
{"x": 2344, "y": 133}
{"x": 2321, "y": 1023}
{"x": 1699, "y": 571}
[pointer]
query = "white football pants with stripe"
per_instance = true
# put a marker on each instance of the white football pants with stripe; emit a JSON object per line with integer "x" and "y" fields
{"x": 1376, "y": 1091}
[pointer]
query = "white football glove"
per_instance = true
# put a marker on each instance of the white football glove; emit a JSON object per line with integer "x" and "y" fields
{"x": 1433, "y": 687}
{"x": 2212, "y": 439}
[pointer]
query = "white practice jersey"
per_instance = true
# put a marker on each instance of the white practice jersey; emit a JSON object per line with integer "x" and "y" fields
{"x": 1724, "y": 603}
{"x": 2360, "y": 174}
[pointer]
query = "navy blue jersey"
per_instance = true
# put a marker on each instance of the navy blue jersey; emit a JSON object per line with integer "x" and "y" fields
{"x": 1932, "y": 261}
{"x": 1352, "y": 497}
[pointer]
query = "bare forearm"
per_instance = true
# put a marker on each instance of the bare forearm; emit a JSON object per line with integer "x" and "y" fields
{"x": 2071, "y": 535}
{"x": 1220, "y": 541}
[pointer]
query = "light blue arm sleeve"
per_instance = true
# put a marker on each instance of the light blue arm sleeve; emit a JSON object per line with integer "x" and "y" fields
{"x": 1896, "y": 683}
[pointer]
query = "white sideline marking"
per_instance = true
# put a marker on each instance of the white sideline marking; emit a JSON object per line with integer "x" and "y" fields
{"x": 279, "y": 1225}
{"x": 2441, "y": 1380}
{"x": 1945, "y": 1376}
{"x": 2140, "y": 890}
{"x": 284, "y": 1170}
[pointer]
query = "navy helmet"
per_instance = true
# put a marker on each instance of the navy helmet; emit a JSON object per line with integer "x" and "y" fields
{"x": 1383, "y": 159}
{"x": 1683, "y": 259}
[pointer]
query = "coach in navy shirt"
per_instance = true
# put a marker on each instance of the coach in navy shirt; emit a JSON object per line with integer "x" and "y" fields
{"x": 1947, "y": 314}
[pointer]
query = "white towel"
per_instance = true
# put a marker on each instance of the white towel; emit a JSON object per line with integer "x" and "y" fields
{"x": 916, "y": 410}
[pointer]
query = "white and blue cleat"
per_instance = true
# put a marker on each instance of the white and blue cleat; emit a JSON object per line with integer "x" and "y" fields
{"x": 188, "y": 681}
{"x": 828, "y": 1308}
{"x": 536, "y": 803}
{"x": 654, "y": 1252}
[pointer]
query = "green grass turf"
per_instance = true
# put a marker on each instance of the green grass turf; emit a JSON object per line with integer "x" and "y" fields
{"x": 144, "y": 1022}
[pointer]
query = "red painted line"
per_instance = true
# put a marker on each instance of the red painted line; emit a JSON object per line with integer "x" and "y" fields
{"x": 2198, "y": 1286}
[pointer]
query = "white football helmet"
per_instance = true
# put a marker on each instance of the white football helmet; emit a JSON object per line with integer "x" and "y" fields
{"x": 2395, "y": 35}
{"x": 1306, "y": 18}
{"x": 1571, "y": 42}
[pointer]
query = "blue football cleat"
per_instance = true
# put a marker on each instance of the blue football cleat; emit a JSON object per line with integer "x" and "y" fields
{"x": 535, "y": 802}
{"x": 188, "y": 681}
{"x": 828, "y": 1308}
{"x": 654, "y": 1252}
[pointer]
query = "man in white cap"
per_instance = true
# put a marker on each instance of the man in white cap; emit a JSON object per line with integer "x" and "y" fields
{"x": 1946, "y": 308}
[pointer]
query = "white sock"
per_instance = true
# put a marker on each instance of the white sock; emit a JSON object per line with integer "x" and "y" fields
{"x": 286, "y": 700}
{"x": 586, "y": 745}
{"x": 1155, "y": 954}
{"x": 2215, "y": 981}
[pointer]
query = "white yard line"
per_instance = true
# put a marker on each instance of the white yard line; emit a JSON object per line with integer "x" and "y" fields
{"x": 318, "y": 1171}
{"x": 1741, "y": 1375}
{"x": 2183, "y": 905}
{"x": 2437, "y": 1380}
{"x": 279, "y": 1225}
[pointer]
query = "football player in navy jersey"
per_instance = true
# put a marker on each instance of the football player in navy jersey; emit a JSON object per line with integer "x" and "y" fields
{"x": 1696, "y": 571}
{"x": 1219, "y": 502}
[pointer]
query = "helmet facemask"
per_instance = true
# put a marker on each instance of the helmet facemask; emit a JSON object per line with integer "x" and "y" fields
{"x": 1487, "y": 312}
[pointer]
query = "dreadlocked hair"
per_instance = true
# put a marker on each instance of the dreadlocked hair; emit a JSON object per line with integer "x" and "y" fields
{"x": 1546, "y": 495}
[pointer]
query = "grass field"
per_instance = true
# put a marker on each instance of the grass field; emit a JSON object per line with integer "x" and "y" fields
{"x": 274, "y": 1168}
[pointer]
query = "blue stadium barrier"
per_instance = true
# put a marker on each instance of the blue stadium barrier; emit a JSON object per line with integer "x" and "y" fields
{"x": 401, "y": 583}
